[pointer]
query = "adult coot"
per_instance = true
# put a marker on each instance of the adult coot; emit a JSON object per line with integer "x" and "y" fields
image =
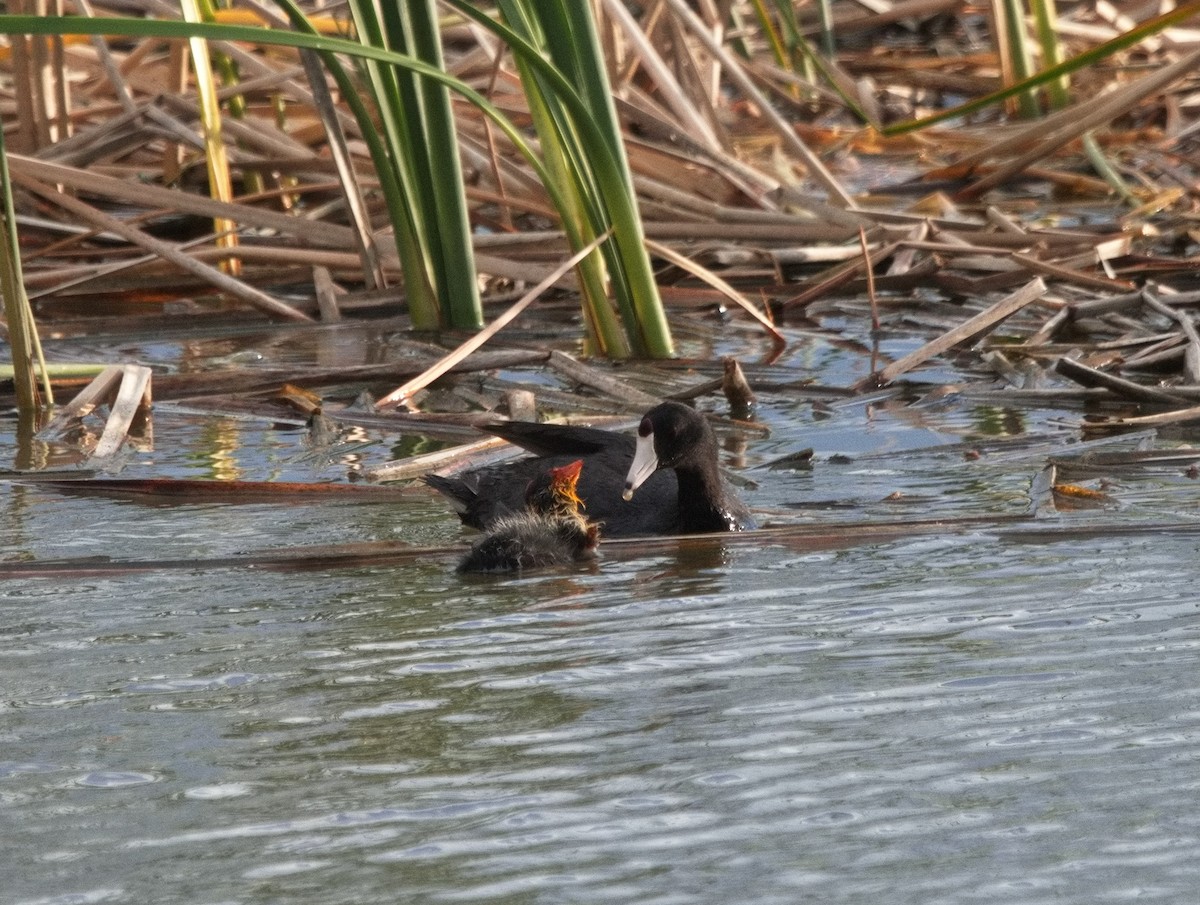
{"x": 552, "y": 531}
{"x": 685, "y": 452}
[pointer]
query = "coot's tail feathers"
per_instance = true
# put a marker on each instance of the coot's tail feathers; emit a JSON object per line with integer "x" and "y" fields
{"x": 460, "y": 494}
{"x": 482, "y": 495}
{"x": 558, "y": 439}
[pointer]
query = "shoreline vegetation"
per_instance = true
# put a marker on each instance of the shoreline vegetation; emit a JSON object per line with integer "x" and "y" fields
{"x": 478, "y": 177}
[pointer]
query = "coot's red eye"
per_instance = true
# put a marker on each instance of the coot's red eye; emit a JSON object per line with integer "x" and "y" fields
{"x": 645, "y": 429}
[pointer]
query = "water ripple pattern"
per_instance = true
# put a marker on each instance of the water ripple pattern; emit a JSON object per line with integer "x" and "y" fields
{"x": 924, "y": 721}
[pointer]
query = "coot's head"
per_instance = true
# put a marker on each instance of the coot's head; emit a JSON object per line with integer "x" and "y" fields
{"x": 556, "y": 490}
{"x": 671, "y": 435}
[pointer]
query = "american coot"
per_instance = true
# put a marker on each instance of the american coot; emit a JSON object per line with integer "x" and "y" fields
{"x": 685, "y": 454}
{"x": 550, "y": 532}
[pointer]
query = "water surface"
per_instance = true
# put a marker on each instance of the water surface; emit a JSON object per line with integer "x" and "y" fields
{"x": 973, "y": 717}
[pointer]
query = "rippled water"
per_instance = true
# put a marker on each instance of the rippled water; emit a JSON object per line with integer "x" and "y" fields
{"x": 980, "y": 717}
{"x": 940, "y": 719}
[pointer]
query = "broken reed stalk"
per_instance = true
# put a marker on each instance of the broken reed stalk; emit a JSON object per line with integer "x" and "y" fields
{"x": 1054, "y": 131}
{"x": 869, "y": 270}
{"x": 703, "y": 273}
{"x": 126, "y": 388}
{"x": 23, "y": 341}
{"x": 1003, "y": 309}
{"x": 402, "y": 394}
{"x": 1091, "y": 377}
{"x": 1191, "y": 358}
{"x": 165, "y": 250}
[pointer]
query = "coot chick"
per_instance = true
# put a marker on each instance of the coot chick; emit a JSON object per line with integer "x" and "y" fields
{"x": 485, "y": 494}
{"x": 677, "y": 437}
{"x": 552, "y": 531}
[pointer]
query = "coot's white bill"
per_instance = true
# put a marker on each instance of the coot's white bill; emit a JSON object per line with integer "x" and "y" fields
{"x": 645, "y": 463}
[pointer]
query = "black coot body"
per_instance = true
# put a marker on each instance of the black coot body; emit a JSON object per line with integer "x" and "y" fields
{"x": 685, "y": 454}
{"x": 482, "y": 495}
